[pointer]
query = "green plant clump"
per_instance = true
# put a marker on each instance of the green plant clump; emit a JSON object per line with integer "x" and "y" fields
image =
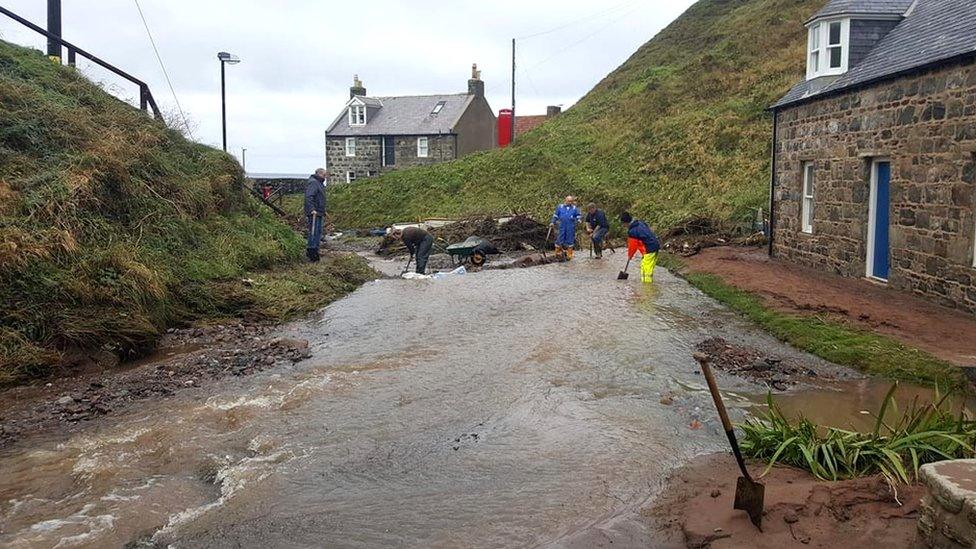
{"x": 925, "y": 433}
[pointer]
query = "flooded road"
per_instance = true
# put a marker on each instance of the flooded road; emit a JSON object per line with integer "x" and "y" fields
{"x": 505, "y": 408}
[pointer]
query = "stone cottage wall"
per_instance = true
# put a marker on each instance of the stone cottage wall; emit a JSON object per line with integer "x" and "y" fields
{"x": 368, "y": 159}
{"x": 926, "y": 126}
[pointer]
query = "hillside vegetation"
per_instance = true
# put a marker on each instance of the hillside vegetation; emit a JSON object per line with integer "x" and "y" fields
{"x": 113, "y": 227}
{"x": 679, "y": 130}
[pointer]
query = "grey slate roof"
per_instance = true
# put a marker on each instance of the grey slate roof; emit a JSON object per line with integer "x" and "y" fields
{"x": 935, "y": 31}
{"x": 405, "y": 115}
{"x": 863, "y": 7}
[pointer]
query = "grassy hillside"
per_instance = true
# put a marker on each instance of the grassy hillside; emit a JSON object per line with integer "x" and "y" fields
{"x": 113, "y": 227}
{"x": 678, "y": 130}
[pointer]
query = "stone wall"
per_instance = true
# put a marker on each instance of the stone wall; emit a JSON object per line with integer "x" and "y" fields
{"x": 947, "y": 514}
{"x": 925, "y": 124}
{"x": 368, "y": 159}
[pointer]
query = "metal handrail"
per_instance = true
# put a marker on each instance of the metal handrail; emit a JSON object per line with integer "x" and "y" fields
{"x": 146, "y": 99}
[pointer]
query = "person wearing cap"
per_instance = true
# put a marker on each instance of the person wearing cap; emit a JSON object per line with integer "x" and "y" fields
{"x": 315, "y": 212}
{"x": 419, "y": 243}
{"x": 567, "y": 216}
{"x": 640, "y": 238}
{"x": 597, "y": 226}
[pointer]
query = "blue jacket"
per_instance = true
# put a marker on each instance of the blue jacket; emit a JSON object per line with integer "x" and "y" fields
{"x": 597, "y": 219}
{"x": 640, "y": 231}
{"x": 569, "y": 214}
{"x": 314, "y": 196}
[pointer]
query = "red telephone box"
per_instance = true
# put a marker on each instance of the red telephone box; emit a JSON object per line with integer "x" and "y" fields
{"x": 505, "y": 122}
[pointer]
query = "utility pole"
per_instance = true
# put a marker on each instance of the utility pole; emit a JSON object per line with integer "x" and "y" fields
{"x": 512, "y": 140}
{"x": 244, "y": 159}
{"x": 223, "y": 104}
{"x": 54, "y": 27}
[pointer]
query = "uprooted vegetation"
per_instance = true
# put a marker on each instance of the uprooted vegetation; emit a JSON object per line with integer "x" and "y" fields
{"x": 516, "y": 234}
{"x": 113, "y": 226}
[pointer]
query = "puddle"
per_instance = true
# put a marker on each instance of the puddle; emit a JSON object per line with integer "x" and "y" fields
{"x": 854, "y": 404}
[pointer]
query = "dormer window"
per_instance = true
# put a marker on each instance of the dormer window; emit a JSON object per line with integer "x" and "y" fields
{"x": 357, "y": 115}
{"x": 828, "y": 48}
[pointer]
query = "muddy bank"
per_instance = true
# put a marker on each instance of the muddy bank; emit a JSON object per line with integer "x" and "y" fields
{"x": 695, "y": 510}
{"x": 188, "y": 359}
{"x": 777, "y": 372}
{"x": 944, "y": 333}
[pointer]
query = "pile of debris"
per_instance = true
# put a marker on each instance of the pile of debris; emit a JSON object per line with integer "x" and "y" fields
{"x": 517, "y": 233}
{"x": 753, "y": 364}
{"x": 690, "y": 237}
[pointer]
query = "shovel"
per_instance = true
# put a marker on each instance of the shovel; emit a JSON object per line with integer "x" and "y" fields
{"x": 546, "y": 243}
{"x": 407, "y": 268}
{"x": 749, "y": 494}
{"x": 624, "y": 275}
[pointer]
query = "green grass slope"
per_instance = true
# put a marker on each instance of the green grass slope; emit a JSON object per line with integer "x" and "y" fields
{"x": 678, "y": 130}
{"x": 113, "y": 227}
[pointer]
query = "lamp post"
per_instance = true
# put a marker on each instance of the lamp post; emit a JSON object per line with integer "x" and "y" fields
{"x": 225, "y": 58}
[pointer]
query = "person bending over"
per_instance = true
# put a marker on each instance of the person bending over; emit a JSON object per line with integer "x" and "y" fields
{"x": 640, "y": 238}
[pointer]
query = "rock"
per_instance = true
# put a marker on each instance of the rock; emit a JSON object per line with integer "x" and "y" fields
{"x": 716, "y": 493}
{"x": 790, "y": 517}
{"x": 695, "y": 425}
{"x": 65, "y": 400}
{"x": 667, "y": 400}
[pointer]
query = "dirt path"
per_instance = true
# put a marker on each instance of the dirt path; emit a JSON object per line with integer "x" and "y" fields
{"x": 945, "y": 333}
{"x": 695, "y": 510}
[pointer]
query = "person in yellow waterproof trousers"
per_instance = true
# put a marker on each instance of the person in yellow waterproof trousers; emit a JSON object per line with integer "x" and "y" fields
{"x": 640, "y": 238}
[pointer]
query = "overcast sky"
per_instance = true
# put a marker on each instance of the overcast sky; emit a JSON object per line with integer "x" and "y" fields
{"x": 299, "y": 56}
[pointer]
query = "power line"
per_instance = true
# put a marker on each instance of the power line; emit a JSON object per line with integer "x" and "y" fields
{"x": 583, "y": 39}
{"x": 159, "y": 58}
{"x": 590, "y": 17}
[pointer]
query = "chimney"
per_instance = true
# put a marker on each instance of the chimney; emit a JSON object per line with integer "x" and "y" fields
{"x": 476, "y": 86}
{"x": 553, "y": 110}
{"x": 357, "y": 87}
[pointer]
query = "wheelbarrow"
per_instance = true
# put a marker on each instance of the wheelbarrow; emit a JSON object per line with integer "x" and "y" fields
{"x": 474, "y": 250}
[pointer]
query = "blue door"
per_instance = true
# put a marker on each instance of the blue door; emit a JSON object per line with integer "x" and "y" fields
{"x": 880, "y": 266}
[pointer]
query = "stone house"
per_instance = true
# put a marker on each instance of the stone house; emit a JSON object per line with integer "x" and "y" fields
{"x": 874, "y": 153}
{"x": 374, "y": 135}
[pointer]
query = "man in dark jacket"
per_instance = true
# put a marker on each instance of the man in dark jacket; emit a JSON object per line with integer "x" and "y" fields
{"x": 315, "y": 212}
{"x": 419, "y": 243}
{"x": 640, "y": 238}
{"x": 597, "y": 227}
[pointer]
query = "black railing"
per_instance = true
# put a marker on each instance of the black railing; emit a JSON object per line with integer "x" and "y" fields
{"x": 146, "y": 100}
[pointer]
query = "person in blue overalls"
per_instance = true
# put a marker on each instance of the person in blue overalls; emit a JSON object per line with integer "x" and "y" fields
{"x": 567, "y": 216}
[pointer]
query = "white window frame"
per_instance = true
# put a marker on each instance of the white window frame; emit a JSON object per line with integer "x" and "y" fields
{"x": 974, "y": 238}
{"x": 807, "y": 193}
{"x": 819, "y": 48}
{"x": 350, "y": 146}
{"x": 350, "y": 176}
{"x": 423, "y": 147}
{"x": 357, "y": 114}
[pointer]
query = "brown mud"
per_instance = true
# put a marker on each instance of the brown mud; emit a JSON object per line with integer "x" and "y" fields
{"x": 694, "y": 509}
{"x": 776, "y": 372}
{"x": 945, "y": 333}
{"x": 187, "y": 359}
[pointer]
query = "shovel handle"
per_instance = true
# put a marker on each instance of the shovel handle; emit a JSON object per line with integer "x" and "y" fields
{"x": 722, "y": 413}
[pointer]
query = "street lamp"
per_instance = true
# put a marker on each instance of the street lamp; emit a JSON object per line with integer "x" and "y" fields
{"x": 225, "y": 58}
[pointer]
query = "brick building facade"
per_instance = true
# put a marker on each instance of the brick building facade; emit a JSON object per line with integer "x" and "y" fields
{"x": 875, "y": 169}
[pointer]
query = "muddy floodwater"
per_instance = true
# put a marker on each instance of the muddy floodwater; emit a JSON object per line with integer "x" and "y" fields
{"x": 498, "y": 409}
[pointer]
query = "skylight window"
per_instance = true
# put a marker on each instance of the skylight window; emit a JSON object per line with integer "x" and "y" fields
{"x": 438, "y": 107}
